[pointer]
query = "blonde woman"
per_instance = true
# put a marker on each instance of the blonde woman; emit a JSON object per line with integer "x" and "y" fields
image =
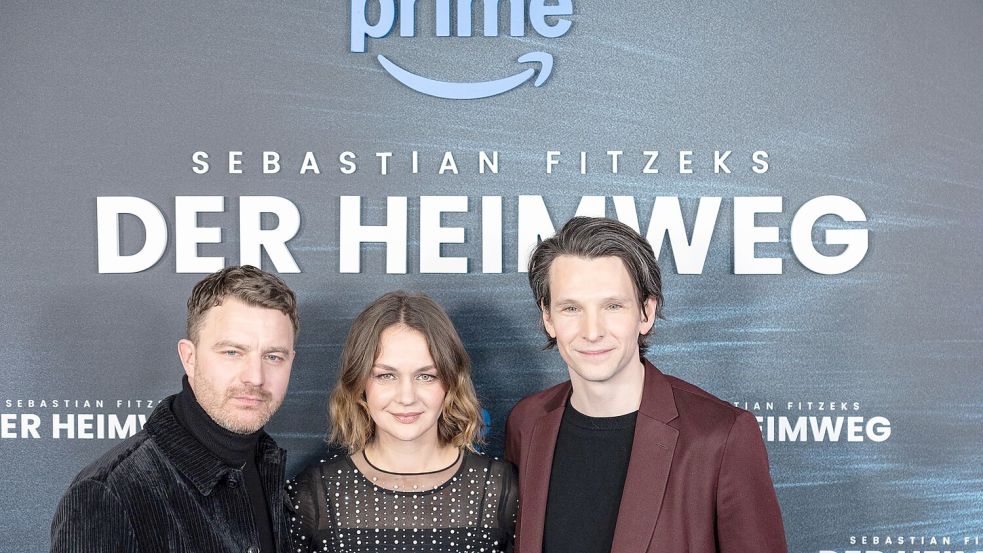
{"x": 405, "y": 410}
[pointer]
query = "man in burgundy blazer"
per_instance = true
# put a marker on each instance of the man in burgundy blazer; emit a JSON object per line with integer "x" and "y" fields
{"x": 691, "y": 471}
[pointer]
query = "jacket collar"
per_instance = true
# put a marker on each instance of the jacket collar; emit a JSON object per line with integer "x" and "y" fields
{"x": 189, "y": 456}
{"x": 657, "y": 401}
{"x": 648, "y": 468}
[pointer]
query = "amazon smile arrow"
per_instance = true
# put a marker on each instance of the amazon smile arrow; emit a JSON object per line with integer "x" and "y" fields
{"x": 471, "y": 91}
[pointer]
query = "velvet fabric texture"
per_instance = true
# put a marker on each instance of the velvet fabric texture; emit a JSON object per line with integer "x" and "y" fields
{"x": 162, "y": 490}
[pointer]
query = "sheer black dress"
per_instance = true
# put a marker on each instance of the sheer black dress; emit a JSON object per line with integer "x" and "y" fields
{"x": 344, "y": 505}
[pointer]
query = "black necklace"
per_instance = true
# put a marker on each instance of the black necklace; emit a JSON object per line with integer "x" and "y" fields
{"x": 456, "y": 459}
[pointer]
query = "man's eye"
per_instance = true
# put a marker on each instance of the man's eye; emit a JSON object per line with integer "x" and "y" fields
{"x": 615, "y": 306}
{"x": 230, "y": 353}
{"x": 569, "y": 309}
{"x": 274, "y": 358}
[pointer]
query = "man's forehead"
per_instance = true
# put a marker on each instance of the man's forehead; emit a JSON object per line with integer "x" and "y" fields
{"x": 566, "y": 266}
{"x": 231, "y": 306}
{"x": 235, "y": 316}
{"x": 605, "y": 276}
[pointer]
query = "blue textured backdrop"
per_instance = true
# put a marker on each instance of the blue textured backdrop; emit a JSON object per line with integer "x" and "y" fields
{"x": 877, "y": 102}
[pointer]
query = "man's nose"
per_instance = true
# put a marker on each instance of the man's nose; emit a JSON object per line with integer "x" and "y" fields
{"x": 252, "y": 371}
{"x": 592, "y": 326}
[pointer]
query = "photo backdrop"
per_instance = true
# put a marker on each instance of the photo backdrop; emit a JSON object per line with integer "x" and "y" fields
{"x": 823, "y": 274}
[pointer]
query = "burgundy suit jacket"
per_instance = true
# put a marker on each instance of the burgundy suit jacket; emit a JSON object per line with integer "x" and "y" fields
{"x": 697, "y": 479}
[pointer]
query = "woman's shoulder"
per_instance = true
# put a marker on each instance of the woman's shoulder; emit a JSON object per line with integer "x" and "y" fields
{"x": 494, "y": 465}
{"x": 325, "y": 465}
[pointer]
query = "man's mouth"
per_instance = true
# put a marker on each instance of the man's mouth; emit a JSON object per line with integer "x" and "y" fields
{"x": 251, "y": 401}
{"x": 595, "y": 352}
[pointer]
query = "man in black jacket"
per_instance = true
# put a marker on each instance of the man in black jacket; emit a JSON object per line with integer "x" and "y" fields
{"x": 202, "y": 475}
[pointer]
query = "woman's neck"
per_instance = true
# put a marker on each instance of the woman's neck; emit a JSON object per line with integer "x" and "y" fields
{"x": 409, "y": 457}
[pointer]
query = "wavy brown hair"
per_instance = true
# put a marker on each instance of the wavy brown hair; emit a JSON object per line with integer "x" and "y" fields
{"x": 460, "y": 419}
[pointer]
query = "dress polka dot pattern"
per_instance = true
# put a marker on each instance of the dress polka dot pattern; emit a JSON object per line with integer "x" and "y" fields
{"x": 345, "y": 505}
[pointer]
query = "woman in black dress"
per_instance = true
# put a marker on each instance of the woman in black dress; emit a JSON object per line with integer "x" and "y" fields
{"x": 405, "y": 410}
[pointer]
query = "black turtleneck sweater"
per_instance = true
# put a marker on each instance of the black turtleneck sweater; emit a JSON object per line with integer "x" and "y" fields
{"x": 236, "y": 450}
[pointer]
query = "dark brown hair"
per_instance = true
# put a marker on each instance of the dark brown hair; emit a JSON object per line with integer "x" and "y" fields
{"x": 593, "y": 237}
{"x": 245, "y": 283}
{"x": 460, "y": 419}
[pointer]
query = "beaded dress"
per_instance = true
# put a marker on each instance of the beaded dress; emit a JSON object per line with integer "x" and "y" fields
{"x": 345, "y": 505}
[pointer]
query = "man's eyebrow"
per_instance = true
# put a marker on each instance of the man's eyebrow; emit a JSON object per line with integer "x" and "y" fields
{"x": 229, "y": 344}
{"x": 278, "y": 349}
{"x": 571, "y": 301}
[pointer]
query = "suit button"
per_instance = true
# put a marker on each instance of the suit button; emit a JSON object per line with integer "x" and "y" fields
{"x": 233, "y": 483}
{"x": 253, "y": 549}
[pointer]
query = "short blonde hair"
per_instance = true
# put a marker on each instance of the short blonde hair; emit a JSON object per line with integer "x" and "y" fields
{"x": 460, "y": 419}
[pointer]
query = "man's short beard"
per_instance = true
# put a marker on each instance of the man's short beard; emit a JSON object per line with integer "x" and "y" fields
{"x": 215, "y": 405}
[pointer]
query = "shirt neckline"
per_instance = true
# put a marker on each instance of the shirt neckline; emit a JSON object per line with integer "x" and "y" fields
{"x": 422, "y": 491}
{"x": 620, "y": 422}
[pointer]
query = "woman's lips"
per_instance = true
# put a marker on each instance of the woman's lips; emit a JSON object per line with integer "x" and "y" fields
{"x": 406, "y": 418}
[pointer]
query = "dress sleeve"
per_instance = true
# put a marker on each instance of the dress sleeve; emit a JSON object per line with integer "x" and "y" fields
{"x": 748, "y": 515}
{"x": 509, "y": 511}
{"x": 91, "y": 518}
{"x": 304, "y": 508}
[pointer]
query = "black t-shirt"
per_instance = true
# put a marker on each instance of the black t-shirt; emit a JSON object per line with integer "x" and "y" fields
{"x": 589, "y": 467}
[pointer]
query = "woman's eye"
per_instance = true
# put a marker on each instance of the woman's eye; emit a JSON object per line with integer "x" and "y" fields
{"x": 427, "y": 377}
{"x": 385, "y": 376}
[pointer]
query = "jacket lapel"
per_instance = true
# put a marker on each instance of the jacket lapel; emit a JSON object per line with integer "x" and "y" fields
{"x": 648, "y": 467}
{"x": 537, "y": 465}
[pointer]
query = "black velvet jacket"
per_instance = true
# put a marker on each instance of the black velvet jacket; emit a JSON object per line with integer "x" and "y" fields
{"x": 162, "y": 490}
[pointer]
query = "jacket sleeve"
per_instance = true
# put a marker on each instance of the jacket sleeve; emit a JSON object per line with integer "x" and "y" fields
{"x": 303, "y": 509}
{"x": 748, "y": 515}
{"x": 91, "y": 518}
{"x": 513, "y": 439}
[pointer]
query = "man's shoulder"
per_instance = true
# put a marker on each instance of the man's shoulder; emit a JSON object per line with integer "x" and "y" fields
{"x": 537, "y": 404}
{"x": 128, "y": 463}
{"x": 702, "y": 410}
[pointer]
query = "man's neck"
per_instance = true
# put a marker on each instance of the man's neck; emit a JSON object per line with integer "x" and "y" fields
{"x": 619, "y": 395}
{"x": 233, "y": 448}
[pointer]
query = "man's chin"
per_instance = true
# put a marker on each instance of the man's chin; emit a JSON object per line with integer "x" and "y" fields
{"x": 243, "y": 427}
{"x": 245, "y": 422}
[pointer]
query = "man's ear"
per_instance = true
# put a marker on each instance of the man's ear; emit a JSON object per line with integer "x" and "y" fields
{"x": 547, "y": 322}
{"x": 648, "y": 315}
{"x": 186, "y": 351}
